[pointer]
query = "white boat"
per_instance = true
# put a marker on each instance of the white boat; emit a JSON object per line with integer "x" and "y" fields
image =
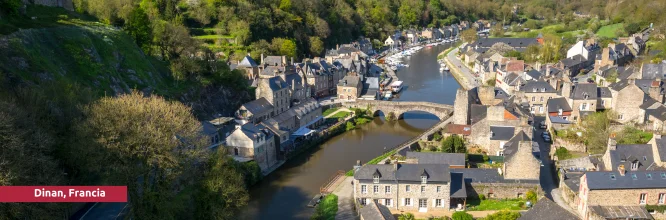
{"x": 396, "y": 86}
{"x": 446, "y": 68}
{"x": 387, "y": 96}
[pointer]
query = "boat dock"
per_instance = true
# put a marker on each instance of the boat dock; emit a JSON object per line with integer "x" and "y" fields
{"x": 328, "y": 187}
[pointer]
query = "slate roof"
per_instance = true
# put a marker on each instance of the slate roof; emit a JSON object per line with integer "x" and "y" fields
{"x": 438, "y": 158}
{"x": 545, "y": 209}
{"x": 374, "y": 211}
{"x": 295, "y": 80}
{"x": 573, "y": 61}
{"x": 513, "y": 79}
{"x": 478, "y": 113}
{"x": 582, "y": 90}
{"x": 604, "y": 92}
{"x": 275, "y": 83}
{"x": 351, "y": 81}
{"x": 511, "y": 147}
{"x": 405, "y": 172}
{"x": 501, "y": 133}
{"x": 253, "y": 131}
{"x": 539, "y": 86}
{"x": 661, "y": 147}
{"x": 572, "y": 180}
{"x": 458, "y": 189}
{"x": 555, "y": 104}
{"x": 258, "y": 106}
{"x": 624, "y": 72}
{"x": 247, "y": 62}
{"x": 479, "y": 175}
{"x": 534, "y": 74}
{"x": 621, "y": 212}
{"x": 626, "y": 154}
{"x": 605, "y": 180}
{"x": 273, "y": 60}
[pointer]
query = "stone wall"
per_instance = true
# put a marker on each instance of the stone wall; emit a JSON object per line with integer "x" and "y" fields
{"x": 399, "y": 193}
{"x": 523, "y": 164}
{"x": 501, "y": 190}
{"x": 398, "y": 108}
{"x": 571, "y": 146}
{"x": 623, "y": 197}
{"x": 627, "y": 104}
{"x": 461, "y": 107}
{"x": 568, "y": 195}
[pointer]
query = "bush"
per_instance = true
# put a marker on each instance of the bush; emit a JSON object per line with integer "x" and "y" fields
{"x": 10, "y": 7}
{"x": 521, "y": 204}
{"x": 327, "y": 208}
{"x": 485, "y": 157}
{"x": 436, "y": 137}
{"x": 503, "y": 215}
{"x": 632, "y": 135}
{"x": 562, "y": 153}
{"x": 432, "y": 148}
{"x": 482, "y": 197}
{"x": 350, "y": 126}
{"x": 490, "y": 82}
{"x": 406, "y": 216}
{"x": 462, "y": 216}
{"x": 531, "y": 196}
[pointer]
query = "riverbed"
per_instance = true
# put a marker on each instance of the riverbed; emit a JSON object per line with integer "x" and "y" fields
{"x": 285, "y": 193}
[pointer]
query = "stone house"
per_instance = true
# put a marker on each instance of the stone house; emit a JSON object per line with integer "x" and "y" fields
{"x": 627, "y": 100}
{"x": 614, "y": 55}
{"x": 299, "y": 91}
{"x": 349, "y": 88}
{"x": 492, "y": 184}
{"x": 493, "y": 126}
{"x": 520, "y": 161}
{"x": 375, "y": 211}
{"x": 630, "y": 190}
{"x": 406, "y": 187}
{"x": 253, "y": 142}
{"x": 248, "y": 66}
{"x": 255, "y": 111}
{"x": 604, "y": 98}
{"x": 545, "y": 209}
{"x": 634, "y": 157}
{"x": 572, "y": 66}
{"x": 559, "y": 113}
{"x": 655, "y": 115}
{"x": 308, "y": 113}
{"x": 276, "y": 91}
{"x": 583, "y": 100}
{"x": 510, "y": 82}
{"x": 316, "y": 78}
{"x": 537, "y": 94}
{"x": 427, "y": 33}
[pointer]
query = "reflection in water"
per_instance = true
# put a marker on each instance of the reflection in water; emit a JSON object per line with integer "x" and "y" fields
{"x": 285, "y": 193}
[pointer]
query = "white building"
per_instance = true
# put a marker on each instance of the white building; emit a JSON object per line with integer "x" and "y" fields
{"x": 578, "y": 49}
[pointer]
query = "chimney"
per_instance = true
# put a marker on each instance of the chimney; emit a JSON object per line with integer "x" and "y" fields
{"x": 248, "y": 54}
{"x": 621, "y": 170}
{"x": 547, "y": 69}
{"x": 284, "y": 60}
{"x": 605, "y": 56}
{"x": 292, "y": 61}
{"x": 337, "y": 46}
{"x": 631, "y": 81}
{"x": 293, "y": 85}
{"x": 262, "y": 58}
{"x": 395, "y": 165}
{"x": 612, "y": 144}
{"x": 358, "y": 163}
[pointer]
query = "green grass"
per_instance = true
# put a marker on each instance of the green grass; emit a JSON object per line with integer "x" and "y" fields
{"x": 555, "y": 29}
{"x": 495, "y": 204}
{"x": 329, "y": 111}
{"x": 609, "y": 30}
{"x": 341, "y": 114}
{"x": 327, "y": 209}
{"x": 212, "y": 37}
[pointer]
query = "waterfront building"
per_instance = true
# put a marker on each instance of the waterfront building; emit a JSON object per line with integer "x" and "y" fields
{"x": 250, "y": 142}
{"x": 349, "y": 88}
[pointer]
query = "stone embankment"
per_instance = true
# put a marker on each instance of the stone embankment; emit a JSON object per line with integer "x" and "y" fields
{"x": 459, "y": 71}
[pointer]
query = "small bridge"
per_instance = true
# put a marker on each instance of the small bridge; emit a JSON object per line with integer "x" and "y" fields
{"x": 442, "y": 111}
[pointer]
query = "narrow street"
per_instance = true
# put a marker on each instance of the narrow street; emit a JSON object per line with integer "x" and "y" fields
{"x": 466, "y": 76}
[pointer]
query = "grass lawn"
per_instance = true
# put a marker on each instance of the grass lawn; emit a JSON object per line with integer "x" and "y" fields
{"x": 495, "y": 204}
{"x": 555, "y": 29}
{"x": 329, "y": 111}
{"x": 341, "y": 114}
{"x": 609, "y": 30}
{"x": 327, "y": 208}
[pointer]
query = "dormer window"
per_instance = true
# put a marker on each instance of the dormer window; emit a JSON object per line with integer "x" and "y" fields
{"x": 586, "y": 96}
{"x": 649, "y": 176}
{"x": 424, "y": 177}
{"x": 634, "y": 165}
{"x": 534, "y": 89}
{"x": 543, "y": 89}
{"x": 376, "y": 176}
{"x": 633, "y": 176}
{"x": 375, "y": 179}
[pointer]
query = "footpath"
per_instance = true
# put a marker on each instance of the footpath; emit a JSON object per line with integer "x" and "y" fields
{"x": 463, "y": 75}
{"x": 345, "y": 193}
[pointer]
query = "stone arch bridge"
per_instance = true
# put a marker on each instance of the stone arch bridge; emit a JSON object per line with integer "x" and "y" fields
{"x": 396, "y": 108}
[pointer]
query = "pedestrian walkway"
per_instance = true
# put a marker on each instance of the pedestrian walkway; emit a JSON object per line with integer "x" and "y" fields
{"x": 463, "y": 74}
{"x": 345, "y": 193}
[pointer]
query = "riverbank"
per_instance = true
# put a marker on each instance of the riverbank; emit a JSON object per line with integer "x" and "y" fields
{"x": 459, "y": 71}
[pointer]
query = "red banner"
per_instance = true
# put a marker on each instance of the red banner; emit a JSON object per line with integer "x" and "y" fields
{"x": 63, "y": 193}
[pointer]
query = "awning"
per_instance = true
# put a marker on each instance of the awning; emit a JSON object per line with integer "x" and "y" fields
{"x": 314, "y": 121}
{"x": 304, "y": 131}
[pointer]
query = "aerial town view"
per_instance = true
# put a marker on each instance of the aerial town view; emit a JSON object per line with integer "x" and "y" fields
{"x": 333, "y": 109}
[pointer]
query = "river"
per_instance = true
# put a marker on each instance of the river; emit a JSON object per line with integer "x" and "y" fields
{"x": 285, "y": 193}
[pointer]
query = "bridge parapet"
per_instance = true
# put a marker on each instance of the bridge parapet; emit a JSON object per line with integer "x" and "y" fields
{"x": 442, "y": 111}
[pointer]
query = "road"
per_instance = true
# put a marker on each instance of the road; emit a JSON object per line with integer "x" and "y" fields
{"x": 468, "y": 80}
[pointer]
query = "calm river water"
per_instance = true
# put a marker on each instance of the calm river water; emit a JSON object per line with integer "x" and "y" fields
{"x": 285, "y": 193}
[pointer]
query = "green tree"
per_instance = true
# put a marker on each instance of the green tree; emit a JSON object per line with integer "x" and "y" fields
{"x": 221, "y": 194}
{"x": 138, "y": 26}
{"x": 532, "y": 196}
{"x": 503, "y": 215}
{"x": 458, "y": 144}
{"x": 550, "y": 51}
{"x": 531, "y": 24}
{"x": 285, "y": 5}
{"x": 147, "y": 143}
{"x": 515, "y": 54}
{"x": 447, "y": 145}
{"x": 284, "y": 47}
{"x": 532, "y": 53}
{"x": 596, "y": 131}
{"x": 406, "y": 216}
{"x": 240, "y": 30}
{"x": 497, "y": 30}
{"x": 10, "y": 7}
{"x": 462, "y": 215}
{"x": 316, "y": 46}
{"x": 469, "y": 36}
{"x": 632, "y": 28}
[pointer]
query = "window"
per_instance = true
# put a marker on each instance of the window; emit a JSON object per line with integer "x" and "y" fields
{"x": 663, "y": 175}
{"x": 408, "y": 201}
{"x": 375, "y": 179}
{"x": 423, "y": 203}
{"x": 540, "y": 109}
{"x": 439, "y": 188}
{"x": 541, "y": 99}
{"x": 519, "y": 195}
{"x": 388, "y": 202}
{"x": 387, "y": 189}
{"x": 583, "y": 106}
{"x": 424, "y": 179}
{"x": 634, "y": 166}
{"x": 643, "y": 198}
{"x": 363, "y": 201}
{"x": 364, "y": 189}
{"x": 649, "y": 176}
{"x": 620, "y": 116}
{"x": 422, "y": 188}
{"x": 662, "y": 197}
{"x": 533, "y": 99}
{"x": 408, "y": 188}
{"x": 438, "y": 202}
{"x": 603, "y": 102}
{"x": 375, "y": 189}
{"x": 543, "y": 90}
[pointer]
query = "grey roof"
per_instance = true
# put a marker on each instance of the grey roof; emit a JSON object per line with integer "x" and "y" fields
{"x": 513, "y": 79}
{"x": 577, "y": 164}
{"x": 276, "y": 83}
{"x": 605, "y": 180}
{"x": 294, "y": 80}
{"x": 374, "y": 211}
{"x": 478, "y": 175}
{"x": 661, "y": 147}
{"x": 539, "y": 86}
{"x": 572, "y": 180}
{"x": 501, "y": 133}
{"x": 372, "y": 82}
{"x": 511, "y": 147}
{"x": 247, "y": 62}
{"x": 559, "y": 120}
{"x": 624, "y": 72}
{"x": 253, "y": 131}
{"x": 534, "y": 74}
{"x": 258, "y": 106}
{"x": 478, "y": 113}
{"x": 626, "y": 154}
{"x": 583, "y": 90}
{"x": 458, "y": 189}
{"x": 350, "y": 81}
{"x": 555, "y": 104}
{"x": 545, "y": 209}
{"x": 604, "y": 92}
{"x": 573, "y": 61}
{"x": 273, "y": 60}
{"x": 405, "y": 172}
{"x": 659, "y": 113}
{"x": 621, "y": 212}
{"x": 438, "y": 158}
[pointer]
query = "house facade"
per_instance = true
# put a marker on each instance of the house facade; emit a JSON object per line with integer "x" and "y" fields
{"x": 253, "y": 142}
{"x": 349, "y": 88}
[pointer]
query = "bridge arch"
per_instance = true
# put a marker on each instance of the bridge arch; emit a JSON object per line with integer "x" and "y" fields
{"x": 397, "y": 109}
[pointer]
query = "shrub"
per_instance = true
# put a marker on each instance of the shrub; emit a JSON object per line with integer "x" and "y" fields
{"x": 432, "y": 148}
{"x": 406, "y": 216}
{"x": 521, "y": 204}
{"x": 462, "y": 216}
{"x": 503, "y": 215}
{"x": 482, "y": 197}
{"x": 11, "y": 7}
{"x": 485, "y": 157}
{"x": 490, "y": 82}
{"x": 562, "y": 153}
{"x": 350, "y": 126}
{"x": 531, "y": 196}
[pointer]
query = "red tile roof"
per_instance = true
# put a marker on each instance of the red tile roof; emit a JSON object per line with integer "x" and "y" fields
{"x": 515, "y": 66}
{"x": 464, "y": 130}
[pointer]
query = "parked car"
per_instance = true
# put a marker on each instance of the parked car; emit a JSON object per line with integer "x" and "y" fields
{"x": 542, "y": 125}
{"x": 546, "y": 138}
{"x": 545, "y": 134}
